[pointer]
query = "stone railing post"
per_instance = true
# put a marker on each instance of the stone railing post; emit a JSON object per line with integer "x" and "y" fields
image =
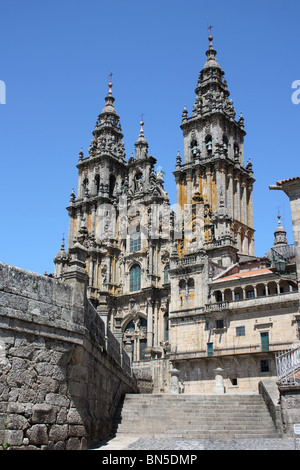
{"x": 174, "y": 381}
{"x": 219, "y": 380}
{"x": 77, "y": 277}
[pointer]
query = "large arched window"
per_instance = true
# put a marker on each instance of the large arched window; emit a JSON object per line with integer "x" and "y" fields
{"x": 135, "y": 278}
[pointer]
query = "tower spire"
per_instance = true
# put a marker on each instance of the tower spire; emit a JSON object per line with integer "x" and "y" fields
{"x": 141, "y": 145}
{"x": 211, "y": 53}
{"x": 108, "y": 132}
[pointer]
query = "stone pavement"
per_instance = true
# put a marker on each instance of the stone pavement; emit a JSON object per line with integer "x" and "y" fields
{"x": 133, "y": 443}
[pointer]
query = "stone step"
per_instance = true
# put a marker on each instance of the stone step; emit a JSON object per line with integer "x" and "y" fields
{"x": 194, "y": 416}
{"x": 196, "y": 398}
{"x": 191, "y": 409}
{"x": 184, "y": 414}
{"x": 214, "y": 434}
{"x": 193, "y": 428}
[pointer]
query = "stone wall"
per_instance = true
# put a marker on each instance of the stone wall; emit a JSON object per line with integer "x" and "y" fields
{"x": 290, "y": 407}
{"x": 61, "y": 373}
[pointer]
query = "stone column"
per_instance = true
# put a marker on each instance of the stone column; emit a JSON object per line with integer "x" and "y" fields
{"x": 208, "y": 185}
{"x": 237, "y": 197}
{"x": 230, "y": 193}
{"x": 71, "y": 227}
{"x": 149, "y": 326}
{"x": 250, "y": 205}
{"x": 244, "y": 203}
{"x": 93, "y": 219}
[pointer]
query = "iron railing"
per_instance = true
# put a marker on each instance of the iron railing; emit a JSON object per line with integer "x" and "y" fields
{"x": 287, "y": 365}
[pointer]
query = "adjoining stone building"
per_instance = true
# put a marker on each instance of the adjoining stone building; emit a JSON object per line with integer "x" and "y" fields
{"x": 183, "y": 291}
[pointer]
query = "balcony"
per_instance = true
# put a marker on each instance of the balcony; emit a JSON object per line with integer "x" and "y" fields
{"x": 228, "y": 300}
{"x": 244, "y": 350}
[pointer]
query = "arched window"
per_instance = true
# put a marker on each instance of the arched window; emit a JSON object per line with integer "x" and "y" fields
{"x": 236, "y": 150}
{"x": 194, "y": 146}
{"x": 166, "y": 327}
{"x": 166, "y": 274}
{"x": 208, "y": 143}
{"x": 225, "y": 143}
{"x": 112, "y": 183}
{"x": 135, "y": 278}
{"x": 97, "y": 183}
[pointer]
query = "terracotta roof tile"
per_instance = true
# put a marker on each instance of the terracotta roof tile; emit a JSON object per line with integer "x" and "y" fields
{"x": 290, "y": 179}
{"x": 256, "y": 272}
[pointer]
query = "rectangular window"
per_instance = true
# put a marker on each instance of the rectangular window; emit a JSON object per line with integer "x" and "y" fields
{"x": 264, "y": 366}
{"x": 250, "y": 294}
{"x": 219, "y": 324}
{"x": 166, "y": 274}
{"x": 135, "y": 242}
{"x": 210, "y": 349}
{"x": 240, "y": 331}
{"x": 237, "y": 296}
{"x": 264, "y": 341}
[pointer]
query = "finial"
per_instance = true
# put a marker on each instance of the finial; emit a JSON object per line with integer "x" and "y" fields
{"x": 63, "y": 243}
{"x": 72, "y": 196}
{"x": 210, "y": 37}
{"x": 81, "y": 154}
{"x": 142, "y": 124}
{"x": 211, "y": 53}
{"x": 241, "y": 121}
{"x": 110, "y": 83}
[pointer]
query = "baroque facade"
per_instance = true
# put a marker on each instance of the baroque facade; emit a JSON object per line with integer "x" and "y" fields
{"x": 183, "y": 290}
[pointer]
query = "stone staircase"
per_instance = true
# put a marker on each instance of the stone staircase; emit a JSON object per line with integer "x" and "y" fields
{"x": 194, "y": 417}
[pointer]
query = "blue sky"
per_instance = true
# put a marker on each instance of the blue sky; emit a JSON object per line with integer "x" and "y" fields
{"x": 55, "y": 60}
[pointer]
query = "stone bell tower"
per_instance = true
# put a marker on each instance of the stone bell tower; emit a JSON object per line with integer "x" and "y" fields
{"x": 93, "y": 216}
{"x": 214, "y": 186}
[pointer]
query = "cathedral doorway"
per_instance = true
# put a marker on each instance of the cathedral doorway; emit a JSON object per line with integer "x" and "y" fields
{"x": 135, "y": 338}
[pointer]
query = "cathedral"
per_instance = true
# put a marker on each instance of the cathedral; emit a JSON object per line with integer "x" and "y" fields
{"x": 182, "y": 290}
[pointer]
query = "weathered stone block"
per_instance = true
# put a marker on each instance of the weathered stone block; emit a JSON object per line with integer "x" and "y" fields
{"x": 44, "y": 413}
{"x": 38, "y": 434}
{"x": 57, "y": 399}
{"x": 17, "y": 422}
{"x": 77, "y": 430}
{"x": 74, "y": 417}
{"x": 58, "y": 432}
{"x": 73, "y": 444}
{"x": 61, "y": 445}
{"x": 13, "y": 438}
